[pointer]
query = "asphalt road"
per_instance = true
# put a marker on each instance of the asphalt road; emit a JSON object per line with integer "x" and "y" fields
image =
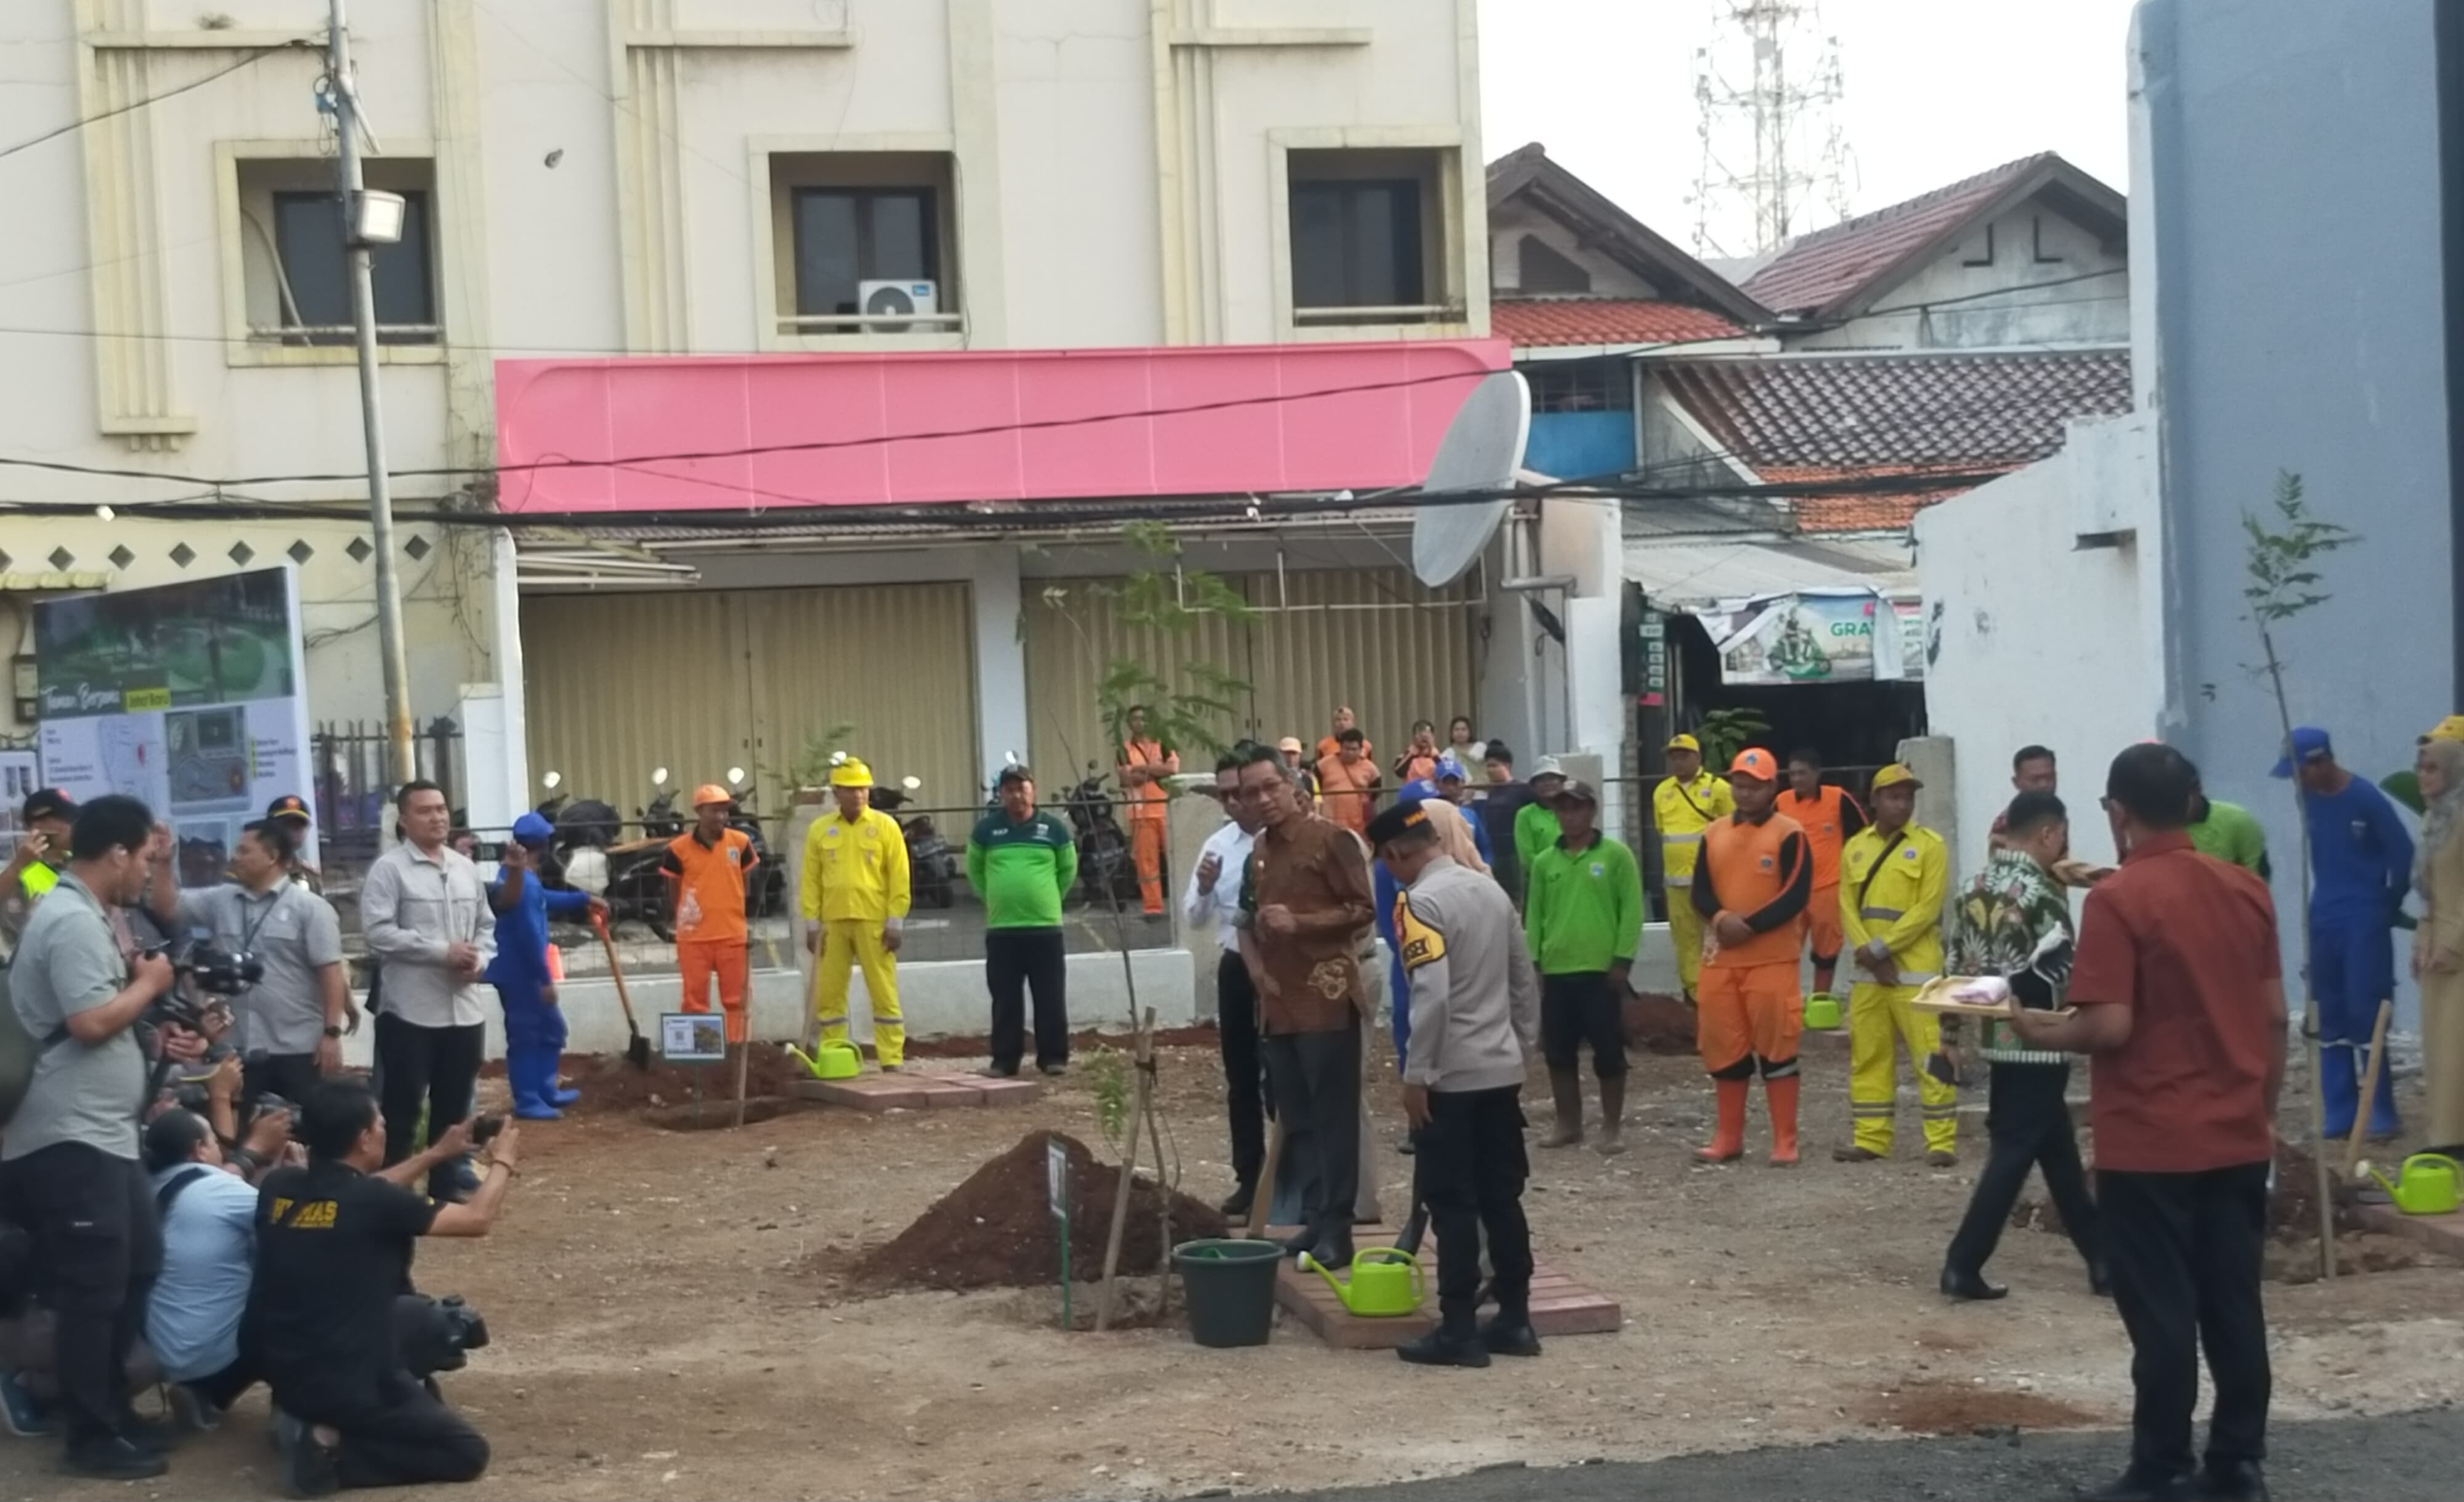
{"x": 2403, "y": 1458}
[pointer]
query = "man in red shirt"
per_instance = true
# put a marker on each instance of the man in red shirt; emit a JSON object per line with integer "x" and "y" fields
{"x": 2178, "y": 990}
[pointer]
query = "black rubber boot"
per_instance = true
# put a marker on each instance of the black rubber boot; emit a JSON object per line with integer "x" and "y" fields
{"x": 1510, "y": 1335}
{"x": 1566, "y": 1086}
{"x": 1612, "y": 1115}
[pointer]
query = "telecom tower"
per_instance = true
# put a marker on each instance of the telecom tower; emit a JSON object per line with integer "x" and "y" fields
{"x": 1775, "y": 161}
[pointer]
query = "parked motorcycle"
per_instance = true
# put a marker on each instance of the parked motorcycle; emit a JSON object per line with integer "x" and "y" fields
{"x": 1105, "y": 870}
{"x": 932, "y": 864}
{"x": 590, "y": 854}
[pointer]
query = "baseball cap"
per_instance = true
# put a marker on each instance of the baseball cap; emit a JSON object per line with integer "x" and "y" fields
{"x": 1577, "y": 791}
{"x": 534, "y": 830}
{"x": 1448, "y": 766}
{"x": 1289, "y": 745}
{"x": 1393, "y": 821}
{"x": 1756, "y": 763}
{"x": 1547, "y": 767}
{"x": 1683, "y": 743}
{"x": 1015, "y": 771}
{"x": 1897, "y": 774}
{"x": 2306, "y": 743}
{"x": 49, "y": 803}
{"x": 2449, "y": 728}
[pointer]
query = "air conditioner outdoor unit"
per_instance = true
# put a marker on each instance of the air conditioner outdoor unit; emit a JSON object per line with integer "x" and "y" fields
{"x": 885, "y": 302}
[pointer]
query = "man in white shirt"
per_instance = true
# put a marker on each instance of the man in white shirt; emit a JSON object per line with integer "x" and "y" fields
{"x": 424, "y": 911}
{"x": 1215, "y": 892}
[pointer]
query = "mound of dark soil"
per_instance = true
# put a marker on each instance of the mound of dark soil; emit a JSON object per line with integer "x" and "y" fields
{"x": 996, "y": 1230}
{"x": 1658, "y": 1024}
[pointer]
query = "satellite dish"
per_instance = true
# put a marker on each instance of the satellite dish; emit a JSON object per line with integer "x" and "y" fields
{"x": 1480, "y": 452}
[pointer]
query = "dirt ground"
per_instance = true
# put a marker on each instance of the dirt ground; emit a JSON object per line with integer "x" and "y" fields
{"x": 666, "y": 1326}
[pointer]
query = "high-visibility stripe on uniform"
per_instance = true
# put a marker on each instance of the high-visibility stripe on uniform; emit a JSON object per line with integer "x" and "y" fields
{"x": 1881, "y": 914}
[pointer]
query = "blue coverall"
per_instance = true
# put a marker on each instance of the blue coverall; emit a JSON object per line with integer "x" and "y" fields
{"x": 534, "y": 1027}
{"x": 2361, "y": 863}
{"x": 1399, "y": 999}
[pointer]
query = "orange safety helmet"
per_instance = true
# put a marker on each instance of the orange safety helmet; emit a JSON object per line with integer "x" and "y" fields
{"x": 710, "y": 792}
{"x": 1755, "y": 763}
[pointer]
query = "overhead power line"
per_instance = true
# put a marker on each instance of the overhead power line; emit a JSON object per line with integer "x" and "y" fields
{"x": 72, "y": 127}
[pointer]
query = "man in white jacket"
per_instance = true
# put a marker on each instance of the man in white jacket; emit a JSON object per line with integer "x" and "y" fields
{"x": 1474, "y": 1019}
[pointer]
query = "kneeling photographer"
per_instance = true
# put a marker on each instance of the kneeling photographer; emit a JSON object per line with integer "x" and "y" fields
{"x": 327, "y": 1314}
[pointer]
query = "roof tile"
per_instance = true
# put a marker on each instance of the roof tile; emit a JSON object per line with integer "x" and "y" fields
{"x": 1533, "y": 324}
{"x": 1814, "y": 270}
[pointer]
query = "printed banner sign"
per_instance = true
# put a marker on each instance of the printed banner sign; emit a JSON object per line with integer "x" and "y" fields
{"x": 1812, "y": 637}
{"x": 189, "y": 696}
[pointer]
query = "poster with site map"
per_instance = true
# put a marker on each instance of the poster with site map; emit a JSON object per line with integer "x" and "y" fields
{"x": 191, "y": 696}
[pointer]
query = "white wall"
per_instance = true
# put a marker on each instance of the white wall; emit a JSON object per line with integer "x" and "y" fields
{"x": 2039, "y": 302}
{"x": 2031, "y": 639}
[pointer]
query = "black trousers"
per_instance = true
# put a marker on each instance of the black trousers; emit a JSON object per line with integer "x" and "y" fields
{"x": 1245, "y": 1076}
{"x": 412, "y": 1320}
{"x": 435, "y": 1067}
{"x": 1581, "y": 1009}
{"x": 1016, "y": 961}
{"x": 1316, "y": 1079}
{"x": 2184, "y": 1250}
{"x": 1469, "y": 1169}
{"x": 290, "y": 1075}
{"x": 101, "y": 1245}
{"x": 2030, "y": 1126}
{"x": 394, "y": 1431}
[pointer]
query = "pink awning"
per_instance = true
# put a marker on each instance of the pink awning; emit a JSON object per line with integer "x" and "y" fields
{"x": 602, "y": 435}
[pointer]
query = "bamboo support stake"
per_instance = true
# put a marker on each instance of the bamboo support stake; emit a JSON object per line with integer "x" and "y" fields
{"x": 1121, "y": 1191}
{"x": 2359, "y": 1140}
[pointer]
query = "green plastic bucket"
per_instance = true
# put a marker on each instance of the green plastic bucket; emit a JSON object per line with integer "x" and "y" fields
{"x": 1231, "y": 1288}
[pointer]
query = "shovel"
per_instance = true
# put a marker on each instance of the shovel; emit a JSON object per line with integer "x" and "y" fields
{"x": 637, "y": 1053}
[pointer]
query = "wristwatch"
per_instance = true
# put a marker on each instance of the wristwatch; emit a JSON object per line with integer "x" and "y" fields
{"x": 333, "y": 1030}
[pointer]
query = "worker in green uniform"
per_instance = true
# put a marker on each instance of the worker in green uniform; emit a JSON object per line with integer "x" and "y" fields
{"x": 1535, "y": 823}
{"x": 2227, "y": 831}
{"x": 1023, "y": 860}
{"x": 1582, "y": 919}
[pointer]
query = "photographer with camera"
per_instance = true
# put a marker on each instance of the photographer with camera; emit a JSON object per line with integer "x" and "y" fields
{"x": 328, "y": 1315}
{"x": 425, "y": 914}
{"x": 69, "y": 1167}
{"x": 209, "y": 1212}
{"x": 291, "y": 1022}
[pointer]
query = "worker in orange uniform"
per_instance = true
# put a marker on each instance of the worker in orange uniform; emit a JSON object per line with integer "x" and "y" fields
{"x": 1894, "y": 877}
{"x": 1145, "y": 764}
{"x": 856, "y": 900}
{"x": 1751, "y": 889}
{"x": 706, "y": 867}
{"x": 1347, "y": 782}
{"x": 1830, "y": 819}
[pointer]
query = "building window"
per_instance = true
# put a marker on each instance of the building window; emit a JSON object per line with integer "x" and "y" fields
{"x": 859, "y": 241}
{"x": 1368, "y": 239}
{"x": 296, "y": 268}
{"x": 1580, "y": 385}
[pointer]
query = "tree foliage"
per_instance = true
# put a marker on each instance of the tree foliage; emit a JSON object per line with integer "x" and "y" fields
{"x": 2283, "y": 580}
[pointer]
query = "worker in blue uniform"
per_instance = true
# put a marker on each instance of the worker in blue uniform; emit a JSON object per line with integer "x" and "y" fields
{"x": 534, "y": 1025}
{"x": 2361, "y": 865}
{"x": 1445, "y": 784}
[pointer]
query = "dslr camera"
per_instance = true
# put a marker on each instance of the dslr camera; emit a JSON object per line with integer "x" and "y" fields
{"x": 200, "y": 970}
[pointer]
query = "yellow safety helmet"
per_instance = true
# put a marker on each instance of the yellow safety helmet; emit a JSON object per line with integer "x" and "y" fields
{"x": 850, "y": 773}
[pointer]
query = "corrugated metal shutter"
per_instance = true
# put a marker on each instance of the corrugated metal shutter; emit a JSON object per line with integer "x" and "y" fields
{"x": 699, "y": 682}
{"x": 1074, "y": 629}
{"x": 896, "y": 660}
{"x": 1391, "y": 664}
{"x": 621, "y": 685}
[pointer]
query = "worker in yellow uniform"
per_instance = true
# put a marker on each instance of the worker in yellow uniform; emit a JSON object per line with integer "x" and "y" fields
{"x": 1893, "y": 876}
{"x": 1687, "y": 802}
{"x": 856, "y": 898}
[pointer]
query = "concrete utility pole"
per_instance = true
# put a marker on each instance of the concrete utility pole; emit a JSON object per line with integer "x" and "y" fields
{"x": 364, "y": 226}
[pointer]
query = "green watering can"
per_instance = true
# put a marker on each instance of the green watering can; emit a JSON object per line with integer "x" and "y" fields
{"x": 1822, "y": 1012}
{"x": 1385, "y": 1282}
{"x": 831, "y": 1058}
{"x": 2427, "y": 1185}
